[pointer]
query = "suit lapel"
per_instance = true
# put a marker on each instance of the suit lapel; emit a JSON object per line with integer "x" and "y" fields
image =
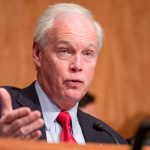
{"x": 87, "y": 127}
{"x": 28, "y": 98}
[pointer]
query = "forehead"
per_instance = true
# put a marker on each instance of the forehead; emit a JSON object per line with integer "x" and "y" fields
{"x": 75, "y": 27}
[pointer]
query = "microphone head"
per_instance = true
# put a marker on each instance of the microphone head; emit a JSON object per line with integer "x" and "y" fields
{"x": 98, "y": 126}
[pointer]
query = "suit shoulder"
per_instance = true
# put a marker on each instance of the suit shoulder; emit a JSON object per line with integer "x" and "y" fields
{"x": 87, "y": 116}
{"x": 13, "y": 91}
{"x": 91, "y": 120}
{"x": 10, "y": 88}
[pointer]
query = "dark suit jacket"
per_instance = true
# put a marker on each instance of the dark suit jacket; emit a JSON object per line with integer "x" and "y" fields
{"x": 27, "y": 97}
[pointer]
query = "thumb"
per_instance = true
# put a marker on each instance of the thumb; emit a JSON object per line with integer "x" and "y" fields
{"x": 5, "y": 100}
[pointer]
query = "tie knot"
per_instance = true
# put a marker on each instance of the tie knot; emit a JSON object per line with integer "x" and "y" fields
{"x": 64, "y": 118}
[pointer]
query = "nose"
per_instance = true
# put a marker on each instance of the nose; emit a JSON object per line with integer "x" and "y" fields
{"x": 76, "y": 64}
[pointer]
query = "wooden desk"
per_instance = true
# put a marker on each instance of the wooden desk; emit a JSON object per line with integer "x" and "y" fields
{"x": 12, "y": 144}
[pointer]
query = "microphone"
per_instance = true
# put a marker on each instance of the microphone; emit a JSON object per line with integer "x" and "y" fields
{"x": 100, "y": 127}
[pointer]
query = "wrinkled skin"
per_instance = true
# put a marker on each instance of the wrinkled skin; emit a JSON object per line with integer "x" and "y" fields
{"x": 66, "y": 66}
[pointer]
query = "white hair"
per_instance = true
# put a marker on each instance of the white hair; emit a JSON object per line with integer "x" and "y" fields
{"x": 52, "y": 12}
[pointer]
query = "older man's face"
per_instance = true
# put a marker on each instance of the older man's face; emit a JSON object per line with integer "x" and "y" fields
{"x": 67, "y": 64}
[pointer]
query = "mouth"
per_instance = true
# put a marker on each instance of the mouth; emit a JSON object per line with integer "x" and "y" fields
{"x": 73, "y": 83}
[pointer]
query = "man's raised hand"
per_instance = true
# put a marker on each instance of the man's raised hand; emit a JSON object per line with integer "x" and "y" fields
{"x": 20, "y": 123}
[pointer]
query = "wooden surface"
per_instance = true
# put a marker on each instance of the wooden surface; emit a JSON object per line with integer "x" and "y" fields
{"x": 122, "y": 79}
{"x": 11, "y": 144}
{"x": 8, "y": 144}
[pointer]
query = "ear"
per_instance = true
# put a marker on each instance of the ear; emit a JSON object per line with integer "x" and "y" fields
{"x": 36, "y": 54}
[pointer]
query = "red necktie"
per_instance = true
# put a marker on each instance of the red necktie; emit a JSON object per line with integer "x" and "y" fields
{"x": 65, "y": 120}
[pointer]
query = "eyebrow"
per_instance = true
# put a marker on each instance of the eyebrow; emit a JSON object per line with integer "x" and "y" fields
{"x": 68, "y": 43}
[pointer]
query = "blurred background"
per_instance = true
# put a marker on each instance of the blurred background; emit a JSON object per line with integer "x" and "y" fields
{"x": 122, "y": 80}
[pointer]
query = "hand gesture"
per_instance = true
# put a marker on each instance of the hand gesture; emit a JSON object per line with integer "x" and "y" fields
{"x": 20, "y": 123}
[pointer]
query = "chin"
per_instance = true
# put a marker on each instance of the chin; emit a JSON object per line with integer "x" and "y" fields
{"x": 74, "y": 95}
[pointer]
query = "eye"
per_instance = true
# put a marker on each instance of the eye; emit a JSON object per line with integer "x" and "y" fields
{"x": 89, "y": 55}
{"x": 63, "y": 50}
{"x": 63, "y": 53}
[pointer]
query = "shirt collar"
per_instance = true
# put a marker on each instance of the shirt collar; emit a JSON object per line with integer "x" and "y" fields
{"x": 50, "y": 111}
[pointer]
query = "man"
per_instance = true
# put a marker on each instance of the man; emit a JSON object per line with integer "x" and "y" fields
{"x": 65, "y": 50}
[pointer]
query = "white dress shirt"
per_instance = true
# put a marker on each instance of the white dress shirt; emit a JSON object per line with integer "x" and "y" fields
{"x": 50, "y": 112}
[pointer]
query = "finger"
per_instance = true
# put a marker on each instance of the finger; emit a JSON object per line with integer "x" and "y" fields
{"x": 36, "y": 135}
{"x": 7, "y": 121}
{"x": 21, "y": 122}
{"x": 33, "y": 136}
{"x": 29, "y": 129}
{"x": 6, "y": 101}
{"x": 33, "y": 126}
{"x": 16, "y": 114}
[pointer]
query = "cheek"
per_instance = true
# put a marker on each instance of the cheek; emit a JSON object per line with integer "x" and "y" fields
{"x": 90, "y": 70}
{"x": 56, "y": 72}
{"x": 90, "y": 73}
{"x": 53, "y": 65}
{"x": 48, "y": 70}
